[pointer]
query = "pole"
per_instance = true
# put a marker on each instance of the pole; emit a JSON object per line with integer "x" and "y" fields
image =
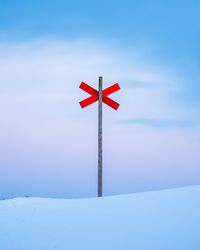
{"x": 100, "y": 172}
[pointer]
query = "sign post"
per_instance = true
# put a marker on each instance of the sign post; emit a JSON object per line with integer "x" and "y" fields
{"x": 101, "y": 96}
{"x": 100, "y": 169}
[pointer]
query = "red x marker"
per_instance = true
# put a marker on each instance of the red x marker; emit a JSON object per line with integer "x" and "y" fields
{"x": 95, "y": 95}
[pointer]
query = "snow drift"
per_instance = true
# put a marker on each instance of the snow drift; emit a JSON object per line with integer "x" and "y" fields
{"x": 161, "y": 220}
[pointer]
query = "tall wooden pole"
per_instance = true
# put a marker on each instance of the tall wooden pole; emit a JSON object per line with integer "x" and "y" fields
{"x": 100, "y": 172}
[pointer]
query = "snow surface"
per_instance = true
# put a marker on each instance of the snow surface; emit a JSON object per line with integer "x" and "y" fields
{"x": 161, "y": 220}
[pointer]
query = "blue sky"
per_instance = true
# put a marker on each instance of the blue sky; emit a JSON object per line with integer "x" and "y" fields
{"x": 47, "y": 48}
{"x": 168, "y": 31}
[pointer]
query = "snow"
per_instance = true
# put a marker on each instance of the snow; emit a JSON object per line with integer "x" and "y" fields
{"x": 160, "y": 220}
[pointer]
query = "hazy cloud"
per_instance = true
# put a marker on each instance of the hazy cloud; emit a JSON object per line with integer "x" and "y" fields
{"x": 159, "y": 123}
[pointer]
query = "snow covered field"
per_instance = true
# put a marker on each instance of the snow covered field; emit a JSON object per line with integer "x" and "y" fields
{"x": 162, "y": 220}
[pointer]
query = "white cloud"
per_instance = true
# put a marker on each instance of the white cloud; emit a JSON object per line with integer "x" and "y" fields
{"x": 53, "y": 69}
{"x": 60, "y": 62}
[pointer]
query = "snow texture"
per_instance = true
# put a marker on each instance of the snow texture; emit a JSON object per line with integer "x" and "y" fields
{"x": 160, "y": 220}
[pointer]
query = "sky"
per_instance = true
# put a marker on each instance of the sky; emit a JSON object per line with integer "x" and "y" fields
{"x": 48, "y": 144}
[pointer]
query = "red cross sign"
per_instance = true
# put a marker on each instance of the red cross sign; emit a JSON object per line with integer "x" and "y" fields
{"x": 95, "y": 95}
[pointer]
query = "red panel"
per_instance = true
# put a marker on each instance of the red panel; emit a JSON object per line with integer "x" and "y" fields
{"x": 111, "y": 89}
{"x": 89, "y": 101}
{"x": 111, "y": 103}
{"x": 87, "y": 88}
